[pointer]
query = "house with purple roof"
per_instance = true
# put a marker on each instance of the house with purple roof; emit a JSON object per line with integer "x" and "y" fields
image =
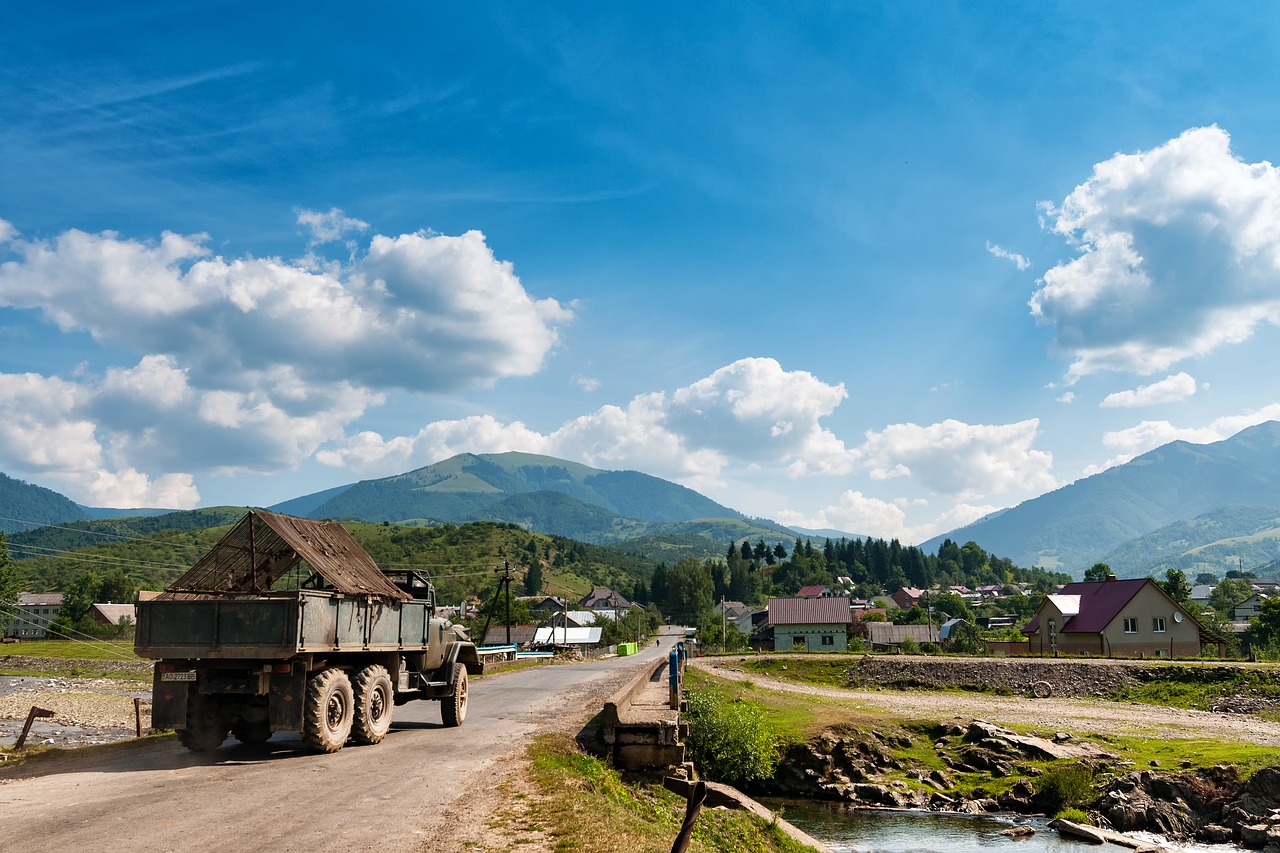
{"x": 1115, "y": 618}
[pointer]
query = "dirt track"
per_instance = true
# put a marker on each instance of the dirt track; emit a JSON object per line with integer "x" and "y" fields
{"x": 1051, "y": 714}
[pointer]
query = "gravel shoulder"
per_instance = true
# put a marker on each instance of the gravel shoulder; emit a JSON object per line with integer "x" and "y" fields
{"x": 1051, "y": 713}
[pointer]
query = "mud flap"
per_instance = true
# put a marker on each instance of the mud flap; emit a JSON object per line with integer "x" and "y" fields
{"x": 169, "y": 703}
{"x": 288, "y": 696}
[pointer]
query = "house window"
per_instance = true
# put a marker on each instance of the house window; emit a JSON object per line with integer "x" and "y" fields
{"x": 828, "y": 640}
{"x": 1157, "y": 624}
{"x": 797, "y": 642}
{"x": 1130, "y": 625}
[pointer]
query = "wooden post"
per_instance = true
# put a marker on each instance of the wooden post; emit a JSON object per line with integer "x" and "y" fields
{"x": 26, "y": 728}
{"x": 697, "y": 796}
{"x": 137, "y": 715}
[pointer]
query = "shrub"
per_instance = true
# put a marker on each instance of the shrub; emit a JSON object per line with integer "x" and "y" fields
{"x": 730, "y": 741}
{"x": 909, "y": 646}
{"x": 1070, "y": 786}
{"x": 1074, "y": 815}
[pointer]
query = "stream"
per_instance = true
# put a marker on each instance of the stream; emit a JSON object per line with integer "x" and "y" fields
{"x": 847, "y": 830}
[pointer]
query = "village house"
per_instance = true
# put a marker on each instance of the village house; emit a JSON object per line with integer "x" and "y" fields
{"x": 813, "y": 624}
{"x": 907, "y": 597}
{"x": 603, "y": 598}
{"x": 1114, "y": 618}
{"x": 33, "y": 611}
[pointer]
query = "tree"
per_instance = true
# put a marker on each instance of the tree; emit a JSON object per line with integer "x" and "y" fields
{"x": 533, "y": 579}
{"x": 1175, "y": 583}
{"x": 1264, "y": 629}
{"x": 1206, "y": 579}
{"x": 1229, "y": 593}
{"x": 1097, "y": 572}
{"x": 689, "y": 591}
{"x": 8, "y": 584}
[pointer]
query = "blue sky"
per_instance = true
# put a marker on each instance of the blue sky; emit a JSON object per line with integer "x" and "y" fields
{"x": 877, "y": 267}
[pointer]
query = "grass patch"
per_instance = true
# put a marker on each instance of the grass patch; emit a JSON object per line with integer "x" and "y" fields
{"x": 824, "y": 670}
{"x": 586, "y": 806}
{"x": 115, "y": 650}
{"x": 72, "y": 659}
{"x": 1199, "y": 687}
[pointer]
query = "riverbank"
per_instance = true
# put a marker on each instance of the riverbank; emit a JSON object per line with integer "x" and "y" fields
{"x": 1172, "y": 771}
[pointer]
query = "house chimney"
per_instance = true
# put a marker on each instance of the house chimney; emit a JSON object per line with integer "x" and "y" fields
{"x": 1111, "y": 577}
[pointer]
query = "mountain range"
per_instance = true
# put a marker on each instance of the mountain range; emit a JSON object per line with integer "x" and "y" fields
{"x": 1210, "y": 507}
{"x": 1192, "y": 499}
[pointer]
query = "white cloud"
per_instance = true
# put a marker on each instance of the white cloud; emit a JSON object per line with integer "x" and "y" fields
{"x": 1019, "y": 261}
{"x": 329, "y": 227}
{"x": 862, "y": 515}
{"x": 418, "y": 311}
{"x": 962, "y": 460}
{"x": 587, "y": 383}
{"x": 1179, "y": 251}
{"x": 1171, "y": 389}
{"x": 1148, "y": 435}
{"x": 247, "y": 364}
{"x": 751, "y": 411}
{"x": 1067, "y": 397}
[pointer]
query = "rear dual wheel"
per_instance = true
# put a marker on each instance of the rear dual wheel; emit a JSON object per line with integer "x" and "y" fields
{"x": 329, "y": 711}
{"x": 207, "y": 725}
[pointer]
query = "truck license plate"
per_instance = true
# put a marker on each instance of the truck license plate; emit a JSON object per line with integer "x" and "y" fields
{"x": 178, "y": 676}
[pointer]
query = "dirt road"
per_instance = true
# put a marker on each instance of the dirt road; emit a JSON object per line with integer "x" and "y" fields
{"x": 1053, "y": 714}
{"x": 410, "y": 793}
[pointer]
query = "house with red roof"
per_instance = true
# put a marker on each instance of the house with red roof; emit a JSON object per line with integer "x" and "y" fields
{"x": 1115, "y": 618}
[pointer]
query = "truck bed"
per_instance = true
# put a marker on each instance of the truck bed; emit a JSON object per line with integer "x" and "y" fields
{"x": 278, "y": 626}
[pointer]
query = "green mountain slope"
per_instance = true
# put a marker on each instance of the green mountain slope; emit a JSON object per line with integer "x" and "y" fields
{"x": 1230, "y": 537}
{"x": 1078, "y": 525}
{"x": 544, "y": 493}
{"x": 25, "y": 507}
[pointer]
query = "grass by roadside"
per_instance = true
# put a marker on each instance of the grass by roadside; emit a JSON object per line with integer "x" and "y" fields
{"x": 73, "y": 659}
{"x": 583, "y": 805}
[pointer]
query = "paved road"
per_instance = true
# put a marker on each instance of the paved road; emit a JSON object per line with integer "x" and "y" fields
{"x": 392, "y": 796}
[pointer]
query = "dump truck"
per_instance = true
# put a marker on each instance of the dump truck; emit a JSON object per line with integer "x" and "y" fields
{"x": 288, "y": 625}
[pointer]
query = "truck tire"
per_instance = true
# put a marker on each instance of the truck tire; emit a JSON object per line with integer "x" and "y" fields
{"x": 453, "y": 709}
{"x": 374, "y": 703}
{"x": 207, "y": 726}
{"x": 329, "y": 710}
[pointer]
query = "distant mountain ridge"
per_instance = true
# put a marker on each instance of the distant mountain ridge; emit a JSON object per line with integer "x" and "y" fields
{"x": 541, "y": 493}
{"x": 1073, "y": 527}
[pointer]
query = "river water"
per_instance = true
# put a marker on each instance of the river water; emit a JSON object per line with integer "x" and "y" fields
{"x": 847, "y": 830}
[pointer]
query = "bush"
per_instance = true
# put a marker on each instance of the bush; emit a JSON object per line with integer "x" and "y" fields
{"x": 730, "y": 741}
{"x": 909, "y": 646}
{"x": 1065, "y": 787}
{"x": 1075, "y": 816}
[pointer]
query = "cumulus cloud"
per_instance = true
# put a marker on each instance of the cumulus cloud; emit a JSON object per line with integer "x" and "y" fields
{"x": 1019, "y": 261}
{"x": 1148, "y": 435}
{"x": 247, "y": 364}
{"x": 752, "y": 411}
{"x": 1067, "y": 397}
{"x": 1171, "y": 389}
{"x": 861, "y": 515}
{"x": 961, "y": 460}
{"x": 1178, "y": 254}
{"x": 420, "y": 312}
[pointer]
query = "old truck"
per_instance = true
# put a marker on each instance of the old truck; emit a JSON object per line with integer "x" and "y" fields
{"x": 288, "y": 625}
